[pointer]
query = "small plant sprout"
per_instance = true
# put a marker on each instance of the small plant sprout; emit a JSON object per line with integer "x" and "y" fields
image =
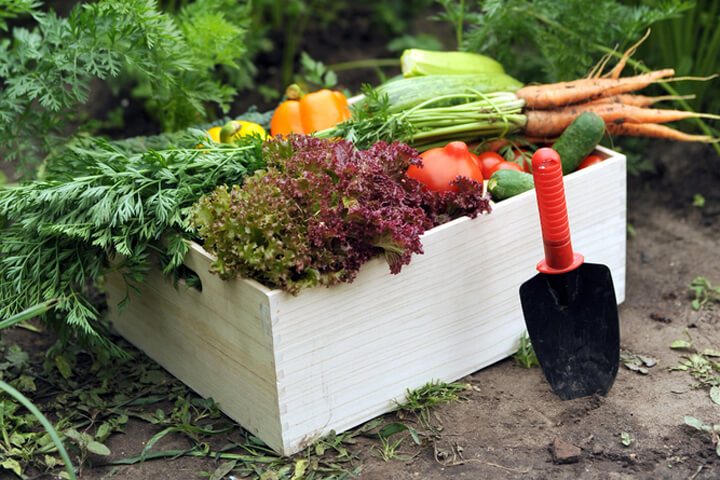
{"x": 684, "y": 344}
{"x": 389, "y": 449}
{"x": 525, "y": 356}
{"x": 626, "y": 439}
{"x": 704, "y": 292}
{"x": 698, "y": 201}
{"x": 701, "y": 365}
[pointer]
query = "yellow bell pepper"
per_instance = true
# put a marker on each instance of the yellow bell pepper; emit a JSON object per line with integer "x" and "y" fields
{"x": 240, "y": 128}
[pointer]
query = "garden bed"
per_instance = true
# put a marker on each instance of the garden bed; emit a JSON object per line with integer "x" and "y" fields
{"x": 292, "y": 368}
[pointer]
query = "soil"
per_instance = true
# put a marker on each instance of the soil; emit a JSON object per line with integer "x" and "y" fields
{"x": 505, "y": 425}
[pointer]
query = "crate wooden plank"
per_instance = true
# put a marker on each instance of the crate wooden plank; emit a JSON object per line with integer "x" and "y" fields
{"x": 191, "y": 334}
{"x": 292, "y": 368}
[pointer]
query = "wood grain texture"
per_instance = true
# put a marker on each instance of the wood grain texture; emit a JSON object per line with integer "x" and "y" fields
{"x": 290, "y": 369}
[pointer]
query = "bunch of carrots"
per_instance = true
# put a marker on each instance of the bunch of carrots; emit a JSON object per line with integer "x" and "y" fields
{"x": 551, "y": 108}
{"x": 478, "y": 106}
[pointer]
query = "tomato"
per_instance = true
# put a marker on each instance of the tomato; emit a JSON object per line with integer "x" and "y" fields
{"x": 505, "y": 165}
{"x": 441, "y": 166}
{"x": 488, "y": 161}
{"x": 590, "y": 160}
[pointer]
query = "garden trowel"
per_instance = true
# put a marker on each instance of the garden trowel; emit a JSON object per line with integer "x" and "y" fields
{"x": 569, "y": 307}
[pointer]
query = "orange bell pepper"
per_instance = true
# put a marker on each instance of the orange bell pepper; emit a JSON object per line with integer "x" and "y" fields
{"x": 313, "y": 112}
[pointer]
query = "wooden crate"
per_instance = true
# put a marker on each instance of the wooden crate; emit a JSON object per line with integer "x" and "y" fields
{"x": 290, "y": 369}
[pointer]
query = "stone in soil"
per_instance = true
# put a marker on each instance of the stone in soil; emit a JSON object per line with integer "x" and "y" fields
{"x": 564, "y": 452}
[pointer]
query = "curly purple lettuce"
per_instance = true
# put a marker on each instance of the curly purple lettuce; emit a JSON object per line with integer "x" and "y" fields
{"x": 321, "y": 210}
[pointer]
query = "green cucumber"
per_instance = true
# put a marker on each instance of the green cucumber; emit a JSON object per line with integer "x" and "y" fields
{"x": 578, "y": 140}
{"x": 405, "y": 93}
{"x": 508, "y": 183}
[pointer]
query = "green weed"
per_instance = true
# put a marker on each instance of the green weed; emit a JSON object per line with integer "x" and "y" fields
{"x": 525, "y": 356}
{"x": 704, "y": 292}
{"x": 431, "y": 395}
{"x": 701, "y": 365}
{"x": 390, "y": 450}
{"x": 422, "y": 400}
{"x": 698, "y": 201}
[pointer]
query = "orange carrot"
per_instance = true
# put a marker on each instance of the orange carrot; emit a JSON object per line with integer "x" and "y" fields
{"x": 617, "y": 69}
{"x": 656, "y": 131}
{"x": 565, "y": 93}
{"x": 639, "y": 100}
{"x": 620, "y": 112}
{"x": 548, "y": 123}
{"x": 545, "y": 124}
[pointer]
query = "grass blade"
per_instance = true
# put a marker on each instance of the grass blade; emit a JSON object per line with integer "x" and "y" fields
{"x": 28, "y": 313}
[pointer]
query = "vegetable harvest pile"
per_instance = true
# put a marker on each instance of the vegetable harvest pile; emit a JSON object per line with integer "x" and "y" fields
{"x": 333, "y": 187}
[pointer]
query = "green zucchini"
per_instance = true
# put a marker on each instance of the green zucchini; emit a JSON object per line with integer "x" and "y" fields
{"x": 508, "y": 183}
{"x": 578, "y": 140}
{"x": 405, "y": 93}
{"x": 416, "y": 62}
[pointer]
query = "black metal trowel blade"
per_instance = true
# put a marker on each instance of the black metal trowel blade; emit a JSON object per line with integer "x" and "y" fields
{"x": 572, "y": 321}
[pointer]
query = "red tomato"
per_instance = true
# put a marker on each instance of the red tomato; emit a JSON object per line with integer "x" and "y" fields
{"x": 590, "y": 160}
{"x": 488, "y": 161}
{"x": 505, "y": 165}
{"x": 441, "y": 166}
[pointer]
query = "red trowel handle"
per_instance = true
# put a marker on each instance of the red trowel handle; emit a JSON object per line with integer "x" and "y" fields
{"x": 550, "y": 191}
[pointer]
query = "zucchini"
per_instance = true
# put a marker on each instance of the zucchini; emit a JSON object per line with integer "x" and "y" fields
{"x": 405, "y": 93}
{"x": 578, "y": 140}
{"x": 508, "y": 183}
{"x": 416, "y": 62}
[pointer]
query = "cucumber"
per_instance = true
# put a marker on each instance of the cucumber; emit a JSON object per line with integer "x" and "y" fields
{"x": 406, "y": 93}
{"x": 508, "y": 183}
{"x": 578, "y": 140}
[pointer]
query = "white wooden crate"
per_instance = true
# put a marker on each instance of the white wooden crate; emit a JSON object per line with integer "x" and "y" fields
{"x": 290, "y": 369}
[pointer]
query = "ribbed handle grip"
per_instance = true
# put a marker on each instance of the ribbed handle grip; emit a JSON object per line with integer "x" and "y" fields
{"x": 550, "y": 191}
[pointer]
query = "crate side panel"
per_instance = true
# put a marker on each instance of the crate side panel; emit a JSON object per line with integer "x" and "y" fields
{"x": 220, "y": 349}
{"x": 344, "y": 353}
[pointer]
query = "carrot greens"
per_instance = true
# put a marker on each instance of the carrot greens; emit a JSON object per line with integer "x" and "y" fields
{"x": 101, "y": 203}
{"x": 561, "y": 40}
{"x": 474, "y": 114}
{"x": 47, "y": 70}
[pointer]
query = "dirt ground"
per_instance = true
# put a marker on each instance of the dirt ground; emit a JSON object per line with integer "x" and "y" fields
{"x": 505, "y": 426}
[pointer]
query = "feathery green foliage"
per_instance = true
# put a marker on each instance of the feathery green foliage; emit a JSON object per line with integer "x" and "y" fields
{"x": 46, "y": 71}
{"x": 99, "y": 202}
{"x": 691, "y": 45}
{"x": 11, "y": 9}
{"x": 559, "y": 39}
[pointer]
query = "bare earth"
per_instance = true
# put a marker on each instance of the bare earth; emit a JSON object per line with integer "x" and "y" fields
{"x": 510, "y": 417}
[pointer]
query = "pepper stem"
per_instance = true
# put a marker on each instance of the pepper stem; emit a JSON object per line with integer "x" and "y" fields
{"x": 294, "y": 92}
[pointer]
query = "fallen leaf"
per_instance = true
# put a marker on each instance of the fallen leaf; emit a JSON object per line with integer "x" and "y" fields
{"x": 223, "y": 469}
{"x": 715, "y": 394}
{"x": 680, "y": 344}
{"x": 97, "y": 448}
